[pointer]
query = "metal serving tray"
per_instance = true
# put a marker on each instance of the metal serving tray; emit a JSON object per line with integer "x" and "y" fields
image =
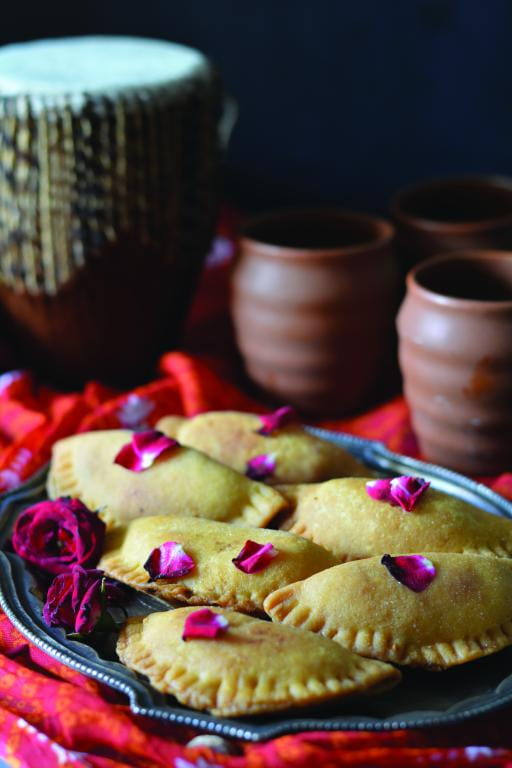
{"x": 423, "y": 699}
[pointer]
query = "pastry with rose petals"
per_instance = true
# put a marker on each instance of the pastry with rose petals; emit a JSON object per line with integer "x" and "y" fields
{"x": 234, "y": 439}
{"x": 192, "y": 560}
{"x": 341, "y": 516}
{"x": 181, "y": 481}
{"x": 434, "y": 610}
{"x": 247, "y": 666}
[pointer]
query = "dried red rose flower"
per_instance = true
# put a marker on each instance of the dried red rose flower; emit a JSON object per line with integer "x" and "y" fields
{"x": 75, "y": 601}
{"x": 54, "y": 535}
{"x": 254, "y": 557}
{"x": 168, "y": 561}
{"x": 144, "y": 449}
{"x": 260, "y": 467}
{"x": 205, "y": 624}
{"x": 404, "y": 491}
{"x": 407, "y": 491}
{"x": 276, "y": 419}
{"x": 414, "y": 571}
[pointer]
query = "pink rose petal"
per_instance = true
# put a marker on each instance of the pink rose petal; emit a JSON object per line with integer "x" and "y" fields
{"x": 143, "y": 450}
{"x": 254, "y": 557}
{"x": 276, "y": 420}
{"x": 414, "y": 571}
{"x": 404, "y": 491}
{"x": 204, "y": 623}
{"x": 168, "y": 561}
{"x": 260, "y": 467}
{"x": 407, "y": 491}
{"x": 379, "y": 490}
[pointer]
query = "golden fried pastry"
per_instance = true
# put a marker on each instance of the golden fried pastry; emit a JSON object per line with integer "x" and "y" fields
{"x": 233, "y": 439}
{"x": 185, "y": 482}
{"x": 462, "y": 611}
{"x": 340, "y": 516}
{"x": 209, "y": 547}
{"x": 171, "y": 425}
{"x": 252, "y": 667}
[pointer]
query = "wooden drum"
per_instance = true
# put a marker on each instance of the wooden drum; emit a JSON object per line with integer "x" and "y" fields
{"x": 108, "y": 185}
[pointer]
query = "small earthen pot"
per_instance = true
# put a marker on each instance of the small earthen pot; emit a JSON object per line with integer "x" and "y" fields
{"x": 455, "y": 350}
{"x": 452, "y": 215}
{"x": 314, "y": 297}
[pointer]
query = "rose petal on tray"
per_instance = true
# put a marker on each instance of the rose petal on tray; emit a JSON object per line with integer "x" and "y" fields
{"x": 416, "y": 572}
{"x": 277, "y": 419}
{"x": 168, "y": 561}
{"x": 260, "y": 467}
{"x": 254, "y": 557}
{"x": 144, "y": 449}
{"x": 204, "y": 624}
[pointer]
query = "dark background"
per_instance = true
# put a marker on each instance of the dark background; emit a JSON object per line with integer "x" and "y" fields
{"x": 340, "y": 102}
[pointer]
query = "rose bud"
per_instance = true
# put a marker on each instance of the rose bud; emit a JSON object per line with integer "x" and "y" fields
{"x": 54, "y": 535}
{"x": 75, "y": 600}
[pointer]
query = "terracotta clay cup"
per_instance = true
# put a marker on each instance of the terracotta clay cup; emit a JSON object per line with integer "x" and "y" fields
{"x": 470, "y": 212}
{"x": 455, "y": 350}
{"x": 314, "y": 297}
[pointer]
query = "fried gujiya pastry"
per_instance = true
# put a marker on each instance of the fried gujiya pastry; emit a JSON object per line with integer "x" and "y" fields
{"x": 234, "y": 439}
{"x": 252, "y": 667}
{"x": 183, "y": 482}
{"x": 340, "y": 516}
{"x": 192, "y": 560}
{"x": 434, "y": 610}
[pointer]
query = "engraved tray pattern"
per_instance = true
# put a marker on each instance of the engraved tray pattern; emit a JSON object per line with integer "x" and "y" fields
{"x": 423, "y": 699}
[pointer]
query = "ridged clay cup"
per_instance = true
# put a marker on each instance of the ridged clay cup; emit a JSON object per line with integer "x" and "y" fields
{"x": 455, "y": 351}
{"x": 314, "y": 298}
{"x": 438, "y": 216}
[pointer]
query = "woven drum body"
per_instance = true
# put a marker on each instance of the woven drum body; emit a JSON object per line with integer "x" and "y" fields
{"x": 108, "y": 186}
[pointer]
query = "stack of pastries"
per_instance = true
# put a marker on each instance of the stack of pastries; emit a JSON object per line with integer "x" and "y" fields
{"x": 341, "y": 613}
